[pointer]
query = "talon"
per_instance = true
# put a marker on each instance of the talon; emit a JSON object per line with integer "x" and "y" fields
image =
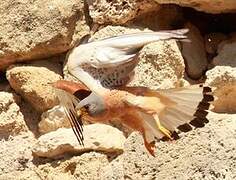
{"x": 150, "y": 147}
{"x": 165, "y": 131}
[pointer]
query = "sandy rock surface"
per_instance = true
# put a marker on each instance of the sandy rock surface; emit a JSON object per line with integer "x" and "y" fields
{"x": 53, "y": 119}
{"x": 11, "y": 119}
{"x": 204, "y": 153}
{"x": 119, "y": 12}
{"x": 98, "y": 137}
{"x": 38, "y": 29}
{"x": 208, "y": 6}
{"x": 224, "y": 79}
{"x": 33, "y": 83}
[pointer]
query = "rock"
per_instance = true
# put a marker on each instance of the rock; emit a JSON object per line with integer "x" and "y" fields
{"x": 215, "y": 7}
{"x": 21, "y": 175}
{"x": 118, "y": 12}
{"x": 224, "y": 78}
{"x": 39, "y": 29}
{"x": 11, "y": 119}
{"x": 53, "y": 119}
{"x": 97, "y": 137}
{"x": 33, "y": 83}
{"x": 166, "y": 17}
{"x": 226, "y": 53}
{"x": 212, "y": 41}
{"x": 194, "y": 53}
{"x": 203, "y": 153}
{"x": 85, "y": 166}
{"x": 16, "y": 154}
{"x": 160, "y": 64}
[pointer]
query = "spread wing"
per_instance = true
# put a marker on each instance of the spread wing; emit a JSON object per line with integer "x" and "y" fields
{"x": 69, "y": 102}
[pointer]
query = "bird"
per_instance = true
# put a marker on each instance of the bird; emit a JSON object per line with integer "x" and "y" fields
{"x": 104, "y": 68}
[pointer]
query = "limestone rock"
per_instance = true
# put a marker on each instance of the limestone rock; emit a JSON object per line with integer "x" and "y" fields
{"x": 203, "y": 153}
{"x": 98, "y": 137}
{"x": 33, "y": 83}
{"x": 120, "y": 11}
{"x": 11, "y": 119}
{"x": 53, "y": 119}
{"x": 194, "y": 53}
{"x": 166, "y": 17}
{"x": 39, "y": 29}
{"x": 226, "y": 53}
{"x": 208, "y": 6}
{"x": 85, "y": 166}
{"x": 224, "y": 78}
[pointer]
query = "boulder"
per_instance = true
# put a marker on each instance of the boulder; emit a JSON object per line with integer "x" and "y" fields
{"x": 11, "y": 119}
{"x": 224, "y": 79}
{"x": 97, "y": 137}
{"x": 39, "y": 29}
{"x": 120, "y": 11}
{"x": 220, "y": 6}
{"x": 33, "y": 83}
{"x": 53, "y": 119}
{"x": 203, "y": 153}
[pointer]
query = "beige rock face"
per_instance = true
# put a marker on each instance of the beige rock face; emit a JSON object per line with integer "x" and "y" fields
{"x": 226, "y": 53}
{"x": 86, "y": 166}
{"x": 208, "y": 6}
{"x": 11, "y": 119}
{"x": 160, "y": 66}
{"x": 33, "y": 83}
{"x": 38, "y": 29}
{"x": 194, "y": 53}
{"x": 53, "y": 119}
{"x": 203, "y": 153}
{"x": 119, "y": 11}
{"x": 98, "y": 137}
{"x": 224, "y": 78}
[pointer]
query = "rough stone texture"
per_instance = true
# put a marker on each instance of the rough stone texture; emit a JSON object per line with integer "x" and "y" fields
{"x": 208, "y": 6}
{"x": 119, "y": 11}
{"x": 16, "y": 154}
{"x": 160, "y": 64}
{"x": 83, "y": 167}
{"x": 37, "y": 29}
{"x": 212, "y": 41}
{"x": 33, "y": 82}
{"x": 165, "y": 17}
{"x": 194, "y": 53}
{"x": 204, "y": 153}
{"x": 11, "y": 119}
{"x": 226, "y": 53}
{"x": 224, "y": 78}
{"x": 53, "y": 119}
{"x": 98, "y": 137}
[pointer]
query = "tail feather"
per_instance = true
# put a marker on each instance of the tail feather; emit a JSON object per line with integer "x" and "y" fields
{"x": 192, "y": 104}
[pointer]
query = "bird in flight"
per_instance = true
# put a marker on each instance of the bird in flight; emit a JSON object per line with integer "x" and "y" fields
{"x": 104, "y": 67}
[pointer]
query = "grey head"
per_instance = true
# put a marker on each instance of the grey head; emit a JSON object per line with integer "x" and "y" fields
{"x": 94, "y": 103}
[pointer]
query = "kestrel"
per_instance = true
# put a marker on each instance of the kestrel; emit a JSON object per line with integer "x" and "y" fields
{"x": 104, "y": 67}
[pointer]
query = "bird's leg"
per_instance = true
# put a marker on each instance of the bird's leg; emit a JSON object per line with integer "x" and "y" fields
{"x": 165, "y": 131}
{"x": 149, "y": 146}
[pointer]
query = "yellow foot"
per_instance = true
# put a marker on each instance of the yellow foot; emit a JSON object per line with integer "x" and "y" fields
{"x": 165, "y": 131}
